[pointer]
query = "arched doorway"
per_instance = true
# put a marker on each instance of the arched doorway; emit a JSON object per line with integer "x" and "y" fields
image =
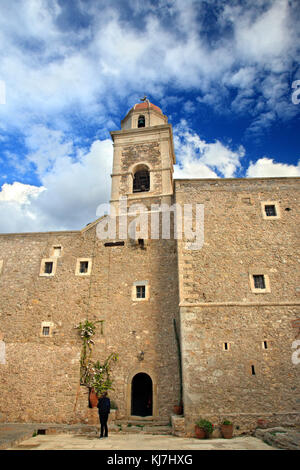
{"x": 141, "y": 395}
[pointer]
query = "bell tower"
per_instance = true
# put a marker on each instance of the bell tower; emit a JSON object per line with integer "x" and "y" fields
{"x": 143, "y": 157}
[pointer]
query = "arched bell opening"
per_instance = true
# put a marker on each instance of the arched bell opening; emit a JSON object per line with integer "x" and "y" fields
{"x": 141, "y": 179}
{"x": 141, "y": 121}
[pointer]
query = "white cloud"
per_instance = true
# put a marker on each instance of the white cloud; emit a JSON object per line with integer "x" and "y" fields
{"x": 200, "y": 159}
{"x": 48, "y": 70}
{"x": 72, "y": 187}
{"x": 267, "y": 167}
{"x": 19, "y": 192}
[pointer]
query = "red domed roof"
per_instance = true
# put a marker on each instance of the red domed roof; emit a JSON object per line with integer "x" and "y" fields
{"x": 146, "y": 105}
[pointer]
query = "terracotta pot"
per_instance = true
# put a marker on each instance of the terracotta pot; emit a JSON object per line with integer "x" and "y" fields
{"x": 227, "y": 431}
{"x": 93, "y": 398}
{"x": 200, "y": 433}
{"x": 178, "y": 409}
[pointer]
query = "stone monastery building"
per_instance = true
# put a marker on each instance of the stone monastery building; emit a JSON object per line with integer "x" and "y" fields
{"x": 233, "y": 302}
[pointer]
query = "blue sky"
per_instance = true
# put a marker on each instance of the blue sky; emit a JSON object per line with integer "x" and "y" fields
{"x": 222, "y": 71}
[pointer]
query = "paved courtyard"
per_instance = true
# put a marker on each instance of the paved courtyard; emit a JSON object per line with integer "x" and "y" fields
{"x": 117, "y": 441}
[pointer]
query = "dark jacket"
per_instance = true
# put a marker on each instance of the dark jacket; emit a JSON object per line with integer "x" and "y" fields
{"x": 103, "y": 405}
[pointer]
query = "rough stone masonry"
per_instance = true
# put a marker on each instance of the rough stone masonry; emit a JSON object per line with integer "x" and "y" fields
{"x": 234, "y": 301}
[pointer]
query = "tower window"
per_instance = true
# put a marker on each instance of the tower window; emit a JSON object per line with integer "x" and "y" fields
{"x": 253, "y": 370}
{"x": 141, "y": 181}
{"x": 141, "y": 121}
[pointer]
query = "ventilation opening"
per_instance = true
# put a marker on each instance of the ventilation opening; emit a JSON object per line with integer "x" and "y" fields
{"x": 226, "y": 346}
{"x": 114, "y": 244}
{"x": 253, "y": 370}
{"x": 265, "y": 345}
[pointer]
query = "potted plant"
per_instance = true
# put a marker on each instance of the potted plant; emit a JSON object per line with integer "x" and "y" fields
{"x": 227, "y": 429}
{"x": 178, "y": 409}
{"x": 93, "y": 399}
{"x": 203, "y": 429}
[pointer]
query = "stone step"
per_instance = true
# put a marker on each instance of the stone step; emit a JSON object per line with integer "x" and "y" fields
{"x": 145, "y": 427}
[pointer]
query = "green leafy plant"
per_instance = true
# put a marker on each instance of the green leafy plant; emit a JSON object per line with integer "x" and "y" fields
{"x": 226, "y": 422}
{"x": 206, "y": 425}
{"x": 94, "y": 374}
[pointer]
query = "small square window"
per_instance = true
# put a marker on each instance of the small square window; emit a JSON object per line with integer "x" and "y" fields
{"x": 270, "y": 210}
{"x": 259, "y": 281}
{"x": 84, "y": 267}
{"x": 46, "y": 329}
{"x": 48, "y": 267}
{"x": 140, "y": 292}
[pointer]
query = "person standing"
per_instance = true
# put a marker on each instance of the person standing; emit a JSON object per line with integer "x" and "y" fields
{"x": 103, "y": 410}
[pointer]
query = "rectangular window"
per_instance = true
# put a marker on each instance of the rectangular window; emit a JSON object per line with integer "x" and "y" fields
{"x": 48, "y": 267}
{"x": 265, "y": 345}
{"x": 140, "y": 292}
{"x": 259, "y": 281}
{"x": 84, "y": 267}
{"x": 270, "y": 210}
{"x": 253, "y": 370}
{"x": 46, "y": 330}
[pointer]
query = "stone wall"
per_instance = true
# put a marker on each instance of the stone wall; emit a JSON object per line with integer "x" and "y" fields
{"x": 41, "y": 374}
{"x": 253, "y": 375}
